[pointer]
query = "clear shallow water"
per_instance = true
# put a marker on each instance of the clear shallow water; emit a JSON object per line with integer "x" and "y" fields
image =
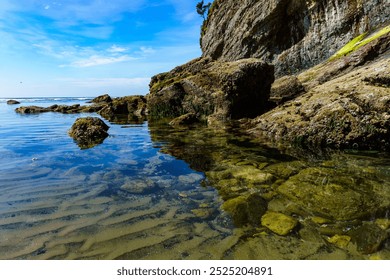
{"x": 151, "y": 192}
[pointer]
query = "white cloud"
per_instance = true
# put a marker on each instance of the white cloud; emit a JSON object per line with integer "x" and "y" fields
{"x": 117, "y": 49}
{"x": 97, "y": 60}
{"x": 108, "y": 82}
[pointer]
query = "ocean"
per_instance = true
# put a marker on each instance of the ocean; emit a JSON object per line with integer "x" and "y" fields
{"x": 153, "y": 192}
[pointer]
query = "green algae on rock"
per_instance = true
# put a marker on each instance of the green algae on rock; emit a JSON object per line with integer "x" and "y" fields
{"x": 331, "y": 194}
{"x": 246, "y": 209}
{"x": 278, "y": 223}
{"x": 89, "y": 132}
{"x": 369, "y": 238}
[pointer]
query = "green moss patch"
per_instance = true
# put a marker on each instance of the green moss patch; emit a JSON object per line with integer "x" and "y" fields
{"x": 359, "y": 42}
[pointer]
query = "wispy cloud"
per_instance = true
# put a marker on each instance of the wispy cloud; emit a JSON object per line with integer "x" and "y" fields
{"x": 96, "y": 60}
{"x": 107, "y": 82}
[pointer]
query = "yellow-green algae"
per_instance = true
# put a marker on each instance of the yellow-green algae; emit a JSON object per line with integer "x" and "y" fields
{"x": 359, "y": 42}
{"x": 278, "y": 223}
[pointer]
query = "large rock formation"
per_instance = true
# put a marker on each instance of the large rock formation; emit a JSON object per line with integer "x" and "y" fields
{"x": 212, "y": 90}
{"x": 347, "y": 105}
{"x": 292, "y": 34}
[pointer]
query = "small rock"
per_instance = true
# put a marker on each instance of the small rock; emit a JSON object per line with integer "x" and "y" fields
{"x": 383, "y": 223}
{"x": 89, "y": 132}
{"x": 12, "y": 102}
{"x": 340, "y": 241}
{"x": 368, "y": 238}
{"x": 186, "y": 119}
{"x": 246, "y": 209}
{"x": 278, "y": 223}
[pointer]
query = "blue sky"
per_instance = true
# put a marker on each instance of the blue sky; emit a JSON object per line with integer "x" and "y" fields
{"x": 90, "y": 47}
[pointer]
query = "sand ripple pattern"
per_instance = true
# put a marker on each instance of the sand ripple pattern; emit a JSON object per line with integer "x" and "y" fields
{"x": 68, "y": 222}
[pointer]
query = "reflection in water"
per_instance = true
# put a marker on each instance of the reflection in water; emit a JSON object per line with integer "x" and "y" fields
{"x": 338, "y": 203}
{"x": 154, "y": 192}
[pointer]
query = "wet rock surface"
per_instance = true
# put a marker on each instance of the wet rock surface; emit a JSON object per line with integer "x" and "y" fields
{"x": 89, "y": 132}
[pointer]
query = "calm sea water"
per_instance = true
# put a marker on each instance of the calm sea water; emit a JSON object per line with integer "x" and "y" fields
{"x": 142, "y": 194}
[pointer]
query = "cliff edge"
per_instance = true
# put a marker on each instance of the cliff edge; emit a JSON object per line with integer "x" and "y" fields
{"x": 291, "y": 34}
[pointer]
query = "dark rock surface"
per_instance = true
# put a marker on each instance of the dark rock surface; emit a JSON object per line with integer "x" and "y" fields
{"x": 89, "y": 132}
{"x": 206, "y": 88}
{"x": 65, "y": 109}
{"x": 131, "y": 107}
{"x": 286, "y": 88}
{"x": 292, "y": 34}
{"x": 12, "y": 102}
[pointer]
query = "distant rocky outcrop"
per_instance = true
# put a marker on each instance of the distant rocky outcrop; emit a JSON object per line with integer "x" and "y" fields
{"x": 65, "y": 109}
{"x": 89, "y": 132}
{"x": 212, "y": 90}
{"x": 291, "y": 34}
{"x": 124, "y": 109}
{"x": 12, "y": 102}
{"x": 121, "y": 110}
{"x": 105, "y": 98}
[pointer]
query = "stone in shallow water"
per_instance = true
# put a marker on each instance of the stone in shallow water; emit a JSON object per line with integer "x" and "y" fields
{"x": 246, "y": 209}
{"x": 12, "y": 102}
{"x": 369, "y": 238}
{"x": 340, "y": 241}
{"x": 278, "y": 223}
{"x": 330, "y": 194}
{"x": 89, "y": 132}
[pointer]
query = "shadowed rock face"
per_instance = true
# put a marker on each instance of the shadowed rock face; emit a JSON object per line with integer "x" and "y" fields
{"x": 89, "y": 132}
{"x": 292, "y": 34}
{"x": 210, "y": 89}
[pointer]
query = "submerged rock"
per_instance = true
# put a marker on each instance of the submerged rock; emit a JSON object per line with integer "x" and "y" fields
{"x": 369, "y": 238}
{"x": 246, "y": 209}
{"x": 209, "y": 88}
{"x": 278, "y": 223}
{"x": 331, "y": 194}
{"x": 89, "y": 132}
{"x": 186, "y": 119}
{"x": 12, "y": 102}
{"x": 340, "y": 241}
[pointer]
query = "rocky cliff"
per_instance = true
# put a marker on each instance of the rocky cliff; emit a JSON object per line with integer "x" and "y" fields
{"x": 341, "y": 102}
{"x": 291, "y": 34}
